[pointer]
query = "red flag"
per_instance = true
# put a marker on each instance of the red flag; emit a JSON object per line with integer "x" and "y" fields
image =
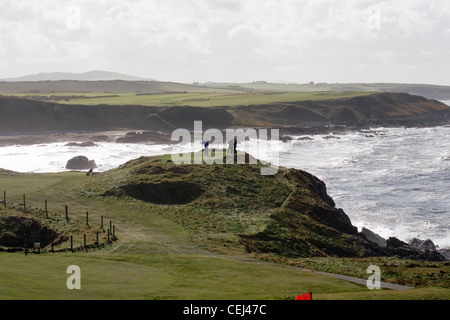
{"x": 306, "y": 296}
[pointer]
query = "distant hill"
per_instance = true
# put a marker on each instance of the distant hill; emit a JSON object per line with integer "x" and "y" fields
{"x": 109, "y": 86}
{"x": 103, "y": 81}
{"x": 96, "y": 75}
{"x": 429, "y": 91}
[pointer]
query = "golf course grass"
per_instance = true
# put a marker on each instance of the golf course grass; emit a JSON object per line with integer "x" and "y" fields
{"x": 153, "y": 257}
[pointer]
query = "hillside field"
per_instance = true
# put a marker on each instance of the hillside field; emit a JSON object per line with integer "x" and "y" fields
{"x": 194, "y": 99}
{"x": 158, "y": 256}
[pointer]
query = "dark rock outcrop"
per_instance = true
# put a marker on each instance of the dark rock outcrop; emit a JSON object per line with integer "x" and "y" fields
{"x": 445, "y": 253}
{"x": 144, "y": 137}
{"x": 80, "y": 163}
{"x": 422, "y": 244}
{"x": 373, "y": 237}
{"x": 81, "y": 144}
{"x": 396, "y": 247}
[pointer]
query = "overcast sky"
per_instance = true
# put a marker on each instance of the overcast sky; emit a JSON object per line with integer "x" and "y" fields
{"x": 228, "y": 40}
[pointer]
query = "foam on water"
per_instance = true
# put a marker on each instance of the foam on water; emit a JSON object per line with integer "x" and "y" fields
{"x": 53, "y": 157}
{"x": 392, "y": 181}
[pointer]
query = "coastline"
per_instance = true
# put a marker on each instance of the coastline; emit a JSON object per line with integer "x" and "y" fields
{"x": 153, "y": 137}
{"x": 164, "y": 137}
{"x": 114, "y": 134}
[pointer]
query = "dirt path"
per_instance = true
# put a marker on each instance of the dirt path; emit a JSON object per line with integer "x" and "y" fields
{"x": 384, "y": 285}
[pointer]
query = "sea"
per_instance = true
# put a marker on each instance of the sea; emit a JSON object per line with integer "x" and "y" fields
{"x": 393, "y": 181}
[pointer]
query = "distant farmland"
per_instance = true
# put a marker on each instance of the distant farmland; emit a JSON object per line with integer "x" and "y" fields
{"x": 194, "y": 99}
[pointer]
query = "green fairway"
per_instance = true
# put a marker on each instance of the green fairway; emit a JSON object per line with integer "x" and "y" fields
{"x": 153, "y": 257}
{"x": 195, "y": 99}
{"x": 110, "y": 275}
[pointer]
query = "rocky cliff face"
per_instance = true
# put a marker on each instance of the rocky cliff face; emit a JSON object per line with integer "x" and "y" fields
{"x": 382, "y": 109}
{"x": 22, "y": 115}
{"x": 309, "y": 224}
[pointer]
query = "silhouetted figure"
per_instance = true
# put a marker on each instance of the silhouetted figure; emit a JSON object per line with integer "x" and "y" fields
{"x": 230, "y": 147}
{"x": 206, "y": 149}
{"x": 235, "y": 145}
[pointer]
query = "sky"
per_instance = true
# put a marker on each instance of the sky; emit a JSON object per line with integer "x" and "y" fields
{"x": 297, "y": 41}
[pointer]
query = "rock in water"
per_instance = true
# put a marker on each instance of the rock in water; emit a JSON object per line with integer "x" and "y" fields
{"x": 82, "y": 144}
{"x": 80, "y": 163}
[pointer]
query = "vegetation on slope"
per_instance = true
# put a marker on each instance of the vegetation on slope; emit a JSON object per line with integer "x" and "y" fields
{"x": 184, "y": 98}
{"x": 234, "y": 209}
{"x": 21, "y": 115}
{"x": 158, "y": 254}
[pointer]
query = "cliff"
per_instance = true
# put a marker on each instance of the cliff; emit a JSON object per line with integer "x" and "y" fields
{"x": 391, "y": 109}
{"x": 385, "y": 109}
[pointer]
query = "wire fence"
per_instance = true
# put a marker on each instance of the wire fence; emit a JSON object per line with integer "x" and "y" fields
{"x": 31, "y": 237}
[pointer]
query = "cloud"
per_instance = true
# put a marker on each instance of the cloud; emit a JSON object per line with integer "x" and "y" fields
{"x": 187, "y": 40}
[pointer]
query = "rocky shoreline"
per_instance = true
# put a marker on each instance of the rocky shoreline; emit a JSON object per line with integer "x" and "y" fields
{"x": 88, "y": 139}
{"x": 415, "y": 249}
{"x": 83, "y": 139}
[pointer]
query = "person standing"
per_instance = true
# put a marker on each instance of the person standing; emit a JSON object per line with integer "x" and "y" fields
{"x": 230, "y": 147}
{"x": 206, "y": 149}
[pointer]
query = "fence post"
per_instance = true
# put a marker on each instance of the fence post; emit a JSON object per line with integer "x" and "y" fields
{"x": 71, "y": 243}
{"x": 102, "y": 223}
{"x": 52, "y": 247}
{"x": 85, "y": 248}
{"x": 24, "y": 205}
{"x": 108, "y": 236}
{"x": 4, "y": 198}
{"x": 46, "y": 212}
{"x": 97, "y": 240}
{"x": 87, "y": 218}
{"x": 67, "y": 213}
{"x": 114, "y": 232}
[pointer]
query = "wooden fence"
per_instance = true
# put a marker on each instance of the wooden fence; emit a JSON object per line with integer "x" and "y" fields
{"x": 77, "y": 243}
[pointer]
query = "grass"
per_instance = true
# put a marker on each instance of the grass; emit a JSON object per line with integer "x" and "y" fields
{"x": 157, "y": 258}
{"x": 157, "y": 276}
{"x": 153, "y": 258}
{"x": 394, "y": 270}
{"x": 195, "y": 99}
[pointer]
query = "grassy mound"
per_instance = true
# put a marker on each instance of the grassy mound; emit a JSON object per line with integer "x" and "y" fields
{"x": 232, "y": 208}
